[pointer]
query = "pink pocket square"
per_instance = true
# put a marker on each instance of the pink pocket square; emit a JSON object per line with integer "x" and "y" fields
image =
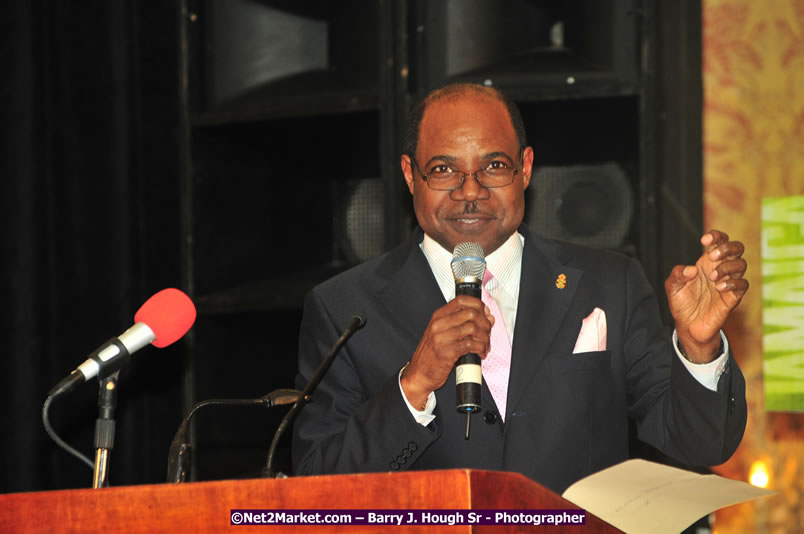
{"x": 593, "y": 333}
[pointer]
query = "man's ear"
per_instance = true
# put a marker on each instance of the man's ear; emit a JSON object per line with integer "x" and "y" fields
{"x": 527, "y": 166}
{"x": 407, "y": 171}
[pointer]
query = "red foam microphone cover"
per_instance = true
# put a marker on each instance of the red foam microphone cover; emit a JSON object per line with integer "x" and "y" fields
{"x": 169, "y": 314}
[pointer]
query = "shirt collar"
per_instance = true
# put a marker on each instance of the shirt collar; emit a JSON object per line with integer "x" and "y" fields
{"x": 505, "y": 263}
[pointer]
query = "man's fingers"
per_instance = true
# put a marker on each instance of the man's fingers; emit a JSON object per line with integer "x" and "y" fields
{"x": 713, "y": 238}
{"x": 453, "y": 348}
{"x": 679, "y": 276}
{"x": 737, "y": 285}
{"x": 725, "y": 251}
{"x": 463, "y": 325}
{"x": 461, "y": 331}
{"x": 458, "y": 303}
{"x": 466, "y": 318}
{"x": 474, "y": 346}
{"x": 733, "y": 269}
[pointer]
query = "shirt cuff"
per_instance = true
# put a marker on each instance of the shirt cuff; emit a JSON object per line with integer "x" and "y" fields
{"x": 707, "y": 374}
{"x": 423, "y": 417}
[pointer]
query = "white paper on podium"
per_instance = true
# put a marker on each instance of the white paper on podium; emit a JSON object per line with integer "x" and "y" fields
{"x": 646, "y": 497}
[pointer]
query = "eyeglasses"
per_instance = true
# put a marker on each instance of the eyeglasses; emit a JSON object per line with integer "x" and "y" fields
{"x": 445, "y": 178}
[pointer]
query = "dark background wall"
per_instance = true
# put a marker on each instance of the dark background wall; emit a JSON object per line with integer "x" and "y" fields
{"x": 150, "y": 144}
{"x": 90, "y": 204}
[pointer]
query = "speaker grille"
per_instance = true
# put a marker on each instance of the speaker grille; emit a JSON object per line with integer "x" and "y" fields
{"x": 586, "y": 204}
{"x": 363, "y": 220}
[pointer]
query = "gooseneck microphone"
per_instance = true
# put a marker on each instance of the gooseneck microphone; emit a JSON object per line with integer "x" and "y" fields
{"x": 163, "y": 319}
{"x": 180, "y": 452}
{"x": 356, "y": 323}
{"x": 468, "y": 267}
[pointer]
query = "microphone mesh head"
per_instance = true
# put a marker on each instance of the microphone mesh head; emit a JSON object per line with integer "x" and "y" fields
{"x": 468, "y": 261}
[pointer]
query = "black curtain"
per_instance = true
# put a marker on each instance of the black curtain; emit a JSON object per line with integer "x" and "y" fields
{"x": 91, "y": 228}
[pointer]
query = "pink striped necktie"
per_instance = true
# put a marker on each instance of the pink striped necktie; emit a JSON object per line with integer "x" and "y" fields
{"x": 497, "y": 365}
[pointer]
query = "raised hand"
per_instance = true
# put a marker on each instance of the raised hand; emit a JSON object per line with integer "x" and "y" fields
{"x": 702, "y": 296}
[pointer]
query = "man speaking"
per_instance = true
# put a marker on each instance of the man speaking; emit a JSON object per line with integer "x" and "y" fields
{"x": 570, "y": 338}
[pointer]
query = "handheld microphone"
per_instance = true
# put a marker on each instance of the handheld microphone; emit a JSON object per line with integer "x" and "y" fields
{"x": 468, "y": 267}
{"x": 163, "y": 319}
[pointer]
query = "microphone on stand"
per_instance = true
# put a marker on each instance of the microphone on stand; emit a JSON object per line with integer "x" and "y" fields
{"x": 180, "y": 453}
{"x": 356, "y": 323}
{"x": 163, "y": 319}
{"x": 468, "y": 267}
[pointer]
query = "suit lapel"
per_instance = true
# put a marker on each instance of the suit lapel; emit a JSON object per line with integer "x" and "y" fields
{"x": 543, "y": 305}
{"x": 412, "y": 293}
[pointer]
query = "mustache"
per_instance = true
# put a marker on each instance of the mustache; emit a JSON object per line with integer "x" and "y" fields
{"x": 470, "y": 208}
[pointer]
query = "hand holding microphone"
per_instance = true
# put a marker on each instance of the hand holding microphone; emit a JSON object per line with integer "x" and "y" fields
{"x": 461, "y": 327}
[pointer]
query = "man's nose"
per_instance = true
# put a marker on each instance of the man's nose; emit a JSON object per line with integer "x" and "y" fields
{"x": 470, "y": 189}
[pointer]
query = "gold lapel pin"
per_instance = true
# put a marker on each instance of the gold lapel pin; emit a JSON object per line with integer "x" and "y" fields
{"x": 561, "y": 281}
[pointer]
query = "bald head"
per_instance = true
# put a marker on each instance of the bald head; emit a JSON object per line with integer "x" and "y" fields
{"x": 454, "y": 91}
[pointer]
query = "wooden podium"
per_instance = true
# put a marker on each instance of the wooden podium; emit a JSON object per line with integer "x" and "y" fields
{"x": 206, "y": 506}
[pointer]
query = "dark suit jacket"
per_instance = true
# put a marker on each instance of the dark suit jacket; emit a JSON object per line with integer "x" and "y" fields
{"x": 567, "y": 413}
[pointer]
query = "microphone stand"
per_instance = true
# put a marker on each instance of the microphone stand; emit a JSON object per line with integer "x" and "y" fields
{"x": 104, "y": 429}
{"x": 180, "y": 453}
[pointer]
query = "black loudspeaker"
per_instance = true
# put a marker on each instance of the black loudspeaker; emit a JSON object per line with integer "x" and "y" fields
{"x": 275, "y": 58}
{"x": 528, "y": 45}
{"x": 590, "y": 205}
{"x": 360, "y": 220}
{"x": 253, "y": 43}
